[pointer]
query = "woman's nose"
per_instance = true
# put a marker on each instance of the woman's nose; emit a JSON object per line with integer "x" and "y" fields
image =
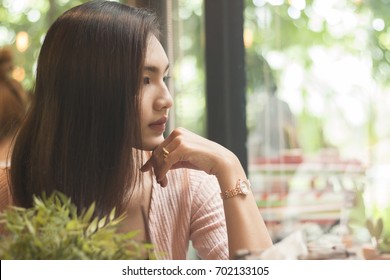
{"x": 165, "y": 100}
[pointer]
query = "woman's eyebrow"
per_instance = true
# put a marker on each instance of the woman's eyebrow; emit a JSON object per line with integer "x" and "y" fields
{"x": 154, "y": 69}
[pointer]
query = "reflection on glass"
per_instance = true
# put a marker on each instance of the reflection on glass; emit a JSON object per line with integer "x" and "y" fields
{"x": 312, "y": 140}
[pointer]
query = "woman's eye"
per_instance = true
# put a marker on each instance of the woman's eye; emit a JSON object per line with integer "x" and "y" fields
{"x": 146, "y": 80}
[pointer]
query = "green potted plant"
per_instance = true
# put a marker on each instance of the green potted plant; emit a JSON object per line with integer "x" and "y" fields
{"x": 379, "y": 230}
{"x": 53, "y": 230}
{"x": 373, "y": 218}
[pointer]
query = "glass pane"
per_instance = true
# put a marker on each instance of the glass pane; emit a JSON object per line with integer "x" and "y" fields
{"x": 317, "y": 82}
{"x": 188, "y": 65}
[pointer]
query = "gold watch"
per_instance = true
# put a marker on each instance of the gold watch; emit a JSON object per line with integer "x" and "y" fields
{"x": 242, "y": 187}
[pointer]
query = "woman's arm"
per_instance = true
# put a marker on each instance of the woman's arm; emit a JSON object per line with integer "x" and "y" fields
{"x": 184, "y": 149}
{"x": 245, "y": 226}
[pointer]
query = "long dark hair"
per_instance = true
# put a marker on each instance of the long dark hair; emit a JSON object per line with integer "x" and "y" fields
{"x": 84, "y": 119}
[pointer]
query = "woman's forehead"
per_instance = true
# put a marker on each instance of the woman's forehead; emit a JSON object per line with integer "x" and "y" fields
{"x": 155, "y": 55}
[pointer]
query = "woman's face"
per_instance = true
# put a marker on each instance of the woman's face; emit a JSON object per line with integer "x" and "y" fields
{"x": 155, "y": 97}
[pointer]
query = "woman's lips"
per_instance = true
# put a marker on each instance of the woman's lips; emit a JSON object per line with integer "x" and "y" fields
{"x": 159, "y": 126}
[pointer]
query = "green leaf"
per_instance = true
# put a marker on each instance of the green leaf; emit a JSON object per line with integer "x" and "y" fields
{"x": 72, "y": 225}
{"x": 370, "y": 227}
{"x": 92, "y": 227}
{"x": 379, "y": 229}
{"x": 132, "y": 234}
{"x": 102, "y": 222}
{"x": 38, "y": 202}
{"x": 29, "y": 226}
{"x": 88, "y": 215}
{"x": 112, "y": 214}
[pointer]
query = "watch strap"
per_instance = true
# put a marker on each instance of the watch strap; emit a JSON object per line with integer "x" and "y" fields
{"x": 235, "y": 190}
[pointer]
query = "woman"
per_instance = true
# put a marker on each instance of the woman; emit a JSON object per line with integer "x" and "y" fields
{"x": 100, "y": 105}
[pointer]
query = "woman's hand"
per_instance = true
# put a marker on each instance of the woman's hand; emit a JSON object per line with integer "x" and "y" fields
{"x": 184, "y": 149}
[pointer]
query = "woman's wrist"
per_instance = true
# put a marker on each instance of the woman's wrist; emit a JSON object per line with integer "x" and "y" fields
{"x": 229, "y": 172}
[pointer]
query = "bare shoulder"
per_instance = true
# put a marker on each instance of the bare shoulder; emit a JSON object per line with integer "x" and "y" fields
{"x": 5, "y": 198}
{"x": 3, "y": 176}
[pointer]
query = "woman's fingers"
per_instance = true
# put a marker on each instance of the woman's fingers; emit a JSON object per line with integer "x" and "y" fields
{"x": 182, "y": 149}
{"x": 155, "y": 162}
{"x": 162, "y": 151}
{"x": 170, "y": 156}
{"x": 163, "y": 182}
{"x": 148, "y": 165}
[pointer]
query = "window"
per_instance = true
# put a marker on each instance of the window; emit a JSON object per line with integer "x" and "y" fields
{"x": 317, "y": 83}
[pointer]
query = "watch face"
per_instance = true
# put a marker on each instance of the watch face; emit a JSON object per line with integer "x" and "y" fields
{"x": 244, "y": 185}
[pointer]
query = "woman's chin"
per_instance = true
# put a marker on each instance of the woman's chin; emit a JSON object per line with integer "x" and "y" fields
{"x": 151, "y": 144}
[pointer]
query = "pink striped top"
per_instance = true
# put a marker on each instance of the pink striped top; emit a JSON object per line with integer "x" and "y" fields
{"x": 189, "y": 208}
